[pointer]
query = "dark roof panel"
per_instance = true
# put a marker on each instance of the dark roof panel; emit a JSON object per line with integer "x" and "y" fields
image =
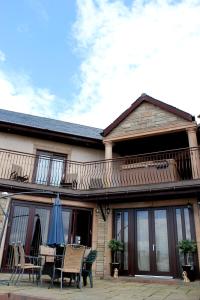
{"x": 49, "y": 124}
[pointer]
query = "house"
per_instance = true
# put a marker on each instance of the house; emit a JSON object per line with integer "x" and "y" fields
{"x": 138, "y": 180}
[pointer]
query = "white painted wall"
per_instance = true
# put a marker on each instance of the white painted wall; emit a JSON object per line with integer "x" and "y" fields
{"x": 19, "y": 143}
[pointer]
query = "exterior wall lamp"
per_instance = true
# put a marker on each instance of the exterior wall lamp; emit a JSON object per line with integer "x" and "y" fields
{"x": 104, "y": 209}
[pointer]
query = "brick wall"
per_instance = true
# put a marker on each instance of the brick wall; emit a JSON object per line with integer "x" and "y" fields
{"x": 102, "y": 227}
{"x": 147, "y": 117}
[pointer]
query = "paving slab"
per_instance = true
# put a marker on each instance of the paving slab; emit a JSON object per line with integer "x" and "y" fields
{"x": 104, "y": 289}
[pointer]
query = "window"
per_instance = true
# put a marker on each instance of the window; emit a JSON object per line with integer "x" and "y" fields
{"x": 49, "y": 168}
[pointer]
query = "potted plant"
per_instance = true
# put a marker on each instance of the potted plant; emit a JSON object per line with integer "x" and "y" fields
{"x": 188, "y": 248}
{"x": 115, "y": 247}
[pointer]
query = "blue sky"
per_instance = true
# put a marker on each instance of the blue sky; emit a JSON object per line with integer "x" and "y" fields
{"x": 36, "y": 37}
{"x": 85, "y": 61}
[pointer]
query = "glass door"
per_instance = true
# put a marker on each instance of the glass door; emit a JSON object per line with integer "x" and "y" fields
{"x": 150, "y": 237}
{"x": 143, "y": 241}
{"x": 49, "y": 168}
{"x": 160, "y": 245}
{"x": 152, "y": 242}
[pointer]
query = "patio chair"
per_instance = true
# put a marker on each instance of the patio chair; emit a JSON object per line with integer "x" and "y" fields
{"x": 30, "y": 266}
{"x": 69, "y": 181}
{"x": 16, "y": 174}
{"x": 87, "y": 267}
{"x": 47, "y": 259}
{"x": 72, "y": 264}
{"x": 15, "y": 263}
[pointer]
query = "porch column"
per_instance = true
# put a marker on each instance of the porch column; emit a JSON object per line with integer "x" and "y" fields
{"x": 108, "y": 150}
{"x": 194, "y": 153}
{"x": 108, "y": 164}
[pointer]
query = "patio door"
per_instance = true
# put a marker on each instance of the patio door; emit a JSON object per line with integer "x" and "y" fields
{"x": 49, "y": 168}
{"x": 150, "y": 237}
{"x": 29, "y": 225}
{"x": 152, "y": 242}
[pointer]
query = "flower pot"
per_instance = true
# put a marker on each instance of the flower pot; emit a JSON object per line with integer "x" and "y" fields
{"x": 112, "y": 267}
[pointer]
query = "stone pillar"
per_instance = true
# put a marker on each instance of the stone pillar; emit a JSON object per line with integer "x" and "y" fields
{"x": 194, "y": 152}
{"x": 94, "y": 233}
{"x": 107, "y": 260}
{"x": 104, "y": 234}
{"x": 108, "y": 150}
{"x": 108, "y": 164}
{"x": 101, "y": 242}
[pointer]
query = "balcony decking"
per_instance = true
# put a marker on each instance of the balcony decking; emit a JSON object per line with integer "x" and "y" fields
{"x": 155, "y": 171}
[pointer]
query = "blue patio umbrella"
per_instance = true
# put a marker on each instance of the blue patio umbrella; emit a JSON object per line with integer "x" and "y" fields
{"x": 56, "y": 229}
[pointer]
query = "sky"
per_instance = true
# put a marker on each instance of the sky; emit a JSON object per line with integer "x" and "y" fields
{"x": 86, "y": 61}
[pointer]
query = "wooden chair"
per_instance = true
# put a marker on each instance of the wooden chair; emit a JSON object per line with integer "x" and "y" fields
{"x": 72, "y": 264}
{"x": 23, "y": 265}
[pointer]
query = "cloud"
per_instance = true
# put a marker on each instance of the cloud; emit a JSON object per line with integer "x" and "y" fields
{"x": 149, "y": 46}
{"x": 18, "y": 93}
{"x": 2, "y": 56}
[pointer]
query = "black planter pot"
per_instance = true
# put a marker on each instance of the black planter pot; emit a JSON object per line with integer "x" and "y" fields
{"x": 189, "y": 269}
{"x": 113, "y": 266}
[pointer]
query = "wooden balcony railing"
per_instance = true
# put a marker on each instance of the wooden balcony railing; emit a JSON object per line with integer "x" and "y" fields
{"x": 153, "y": 168}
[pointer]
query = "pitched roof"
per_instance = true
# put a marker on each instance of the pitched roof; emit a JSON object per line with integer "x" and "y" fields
{"x": 42, "y": 123}
{"x": 146, "y": 98}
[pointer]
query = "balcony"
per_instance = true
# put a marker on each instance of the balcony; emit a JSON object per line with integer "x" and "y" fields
{"x": 24, "y": 169}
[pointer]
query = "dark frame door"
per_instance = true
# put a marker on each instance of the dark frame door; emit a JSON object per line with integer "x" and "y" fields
{"x": 81, "y": 230}
{"x": 165, "y": 226}
{"x": 23, "y": 227}
{"x": 49, "y": 167}
{"x": 152, "y": 253}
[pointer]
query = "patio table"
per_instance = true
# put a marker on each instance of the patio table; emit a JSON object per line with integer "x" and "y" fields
{"x": 48, "y": 266}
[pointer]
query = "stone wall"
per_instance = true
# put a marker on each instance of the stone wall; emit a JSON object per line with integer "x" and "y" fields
{"x": 145, "y": 118}
{"x": 101, "y": 243}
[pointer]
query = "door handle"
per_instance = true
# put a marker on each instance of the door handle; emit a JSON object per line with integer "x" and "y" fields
{"x": 153, "y": 247}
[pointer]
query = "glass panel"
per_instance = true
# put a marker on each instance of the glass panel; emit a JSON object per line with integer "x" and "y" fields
{"x": 161, "y": 239}
{"x": 19, "y": 225}
{"x": 179, "y": 224}
{"x": 66, "y": 221}
{"x": 44, "y": 215}
{"x": 118, "y": 226}
{"x": 187, "y": 224}
{"x": 143, "y": 241}
{"x": 56, "y": 171}
{"x": 125, "y": 240}
{"x": 42, "y": 169}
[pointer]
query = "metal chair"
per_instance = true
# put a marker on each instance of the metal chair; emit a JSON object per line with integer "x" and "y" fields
{"x": 15, "y": 263}
{"x": 23, "y": 265}
{"x": 72, "y": 264}
{"x": 87, "y": 267}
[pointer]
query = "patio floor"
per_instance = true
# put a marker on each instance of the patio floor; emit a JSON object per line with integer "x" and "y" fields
{"x": 121, "y": 288}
